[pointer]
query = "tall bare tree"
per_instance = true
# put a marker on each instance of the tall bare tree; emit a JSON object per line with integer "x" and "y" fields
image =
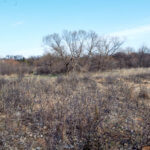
{"x": 72, "y": 45}
{"x": 75, "y": 42}
{"x": 109, "y": 45}
{"x": 106, "y": 47}
{"x": 56, "y": 46}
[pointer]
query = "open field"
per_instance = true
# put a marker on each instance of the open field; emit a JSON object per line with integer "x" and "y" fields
{"x": 90, "y": 111}
{"x": 74, "y": 75}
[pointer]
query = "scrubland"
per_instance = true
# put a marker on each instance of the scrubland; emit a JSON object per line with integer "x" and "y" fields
{"x": 77, "y": 111}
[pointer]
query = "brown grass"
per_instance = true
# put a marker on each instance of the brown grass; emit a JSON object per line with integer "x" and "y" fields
{"x": 76, "y": 111}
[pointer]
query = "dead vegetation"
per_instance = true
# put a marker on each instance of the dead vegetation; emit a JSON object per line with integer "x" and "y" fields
{"x": 90, "y": 112}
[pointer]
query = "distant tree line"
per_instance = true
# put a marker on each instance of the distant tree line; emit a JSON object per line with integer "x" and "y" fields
{"x": 82, "y": 51}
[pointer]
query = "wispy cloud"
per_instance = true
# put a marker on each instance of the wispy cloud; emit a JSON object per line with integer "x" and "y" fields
{"x": 18, "y": 23}
{"x": 133, "y": 32}
{"x": 134, "y": 37}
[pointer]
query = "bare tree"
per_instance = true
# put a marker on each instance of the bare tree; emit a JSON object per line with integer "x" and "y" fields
{"x": 75, "y": 43}
{"x": 106, "y": 47}
{"x": 55, "y": 44}
{"x": 109, "y": 45}
{"x": 92, "y": 43}
{"x": 72, "y": 45}
{"x": 54, "y": 41}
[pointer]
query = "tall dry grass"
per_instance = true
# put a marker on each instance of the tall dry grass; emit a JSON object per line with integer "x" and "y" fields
{"x": 72, "y": 112}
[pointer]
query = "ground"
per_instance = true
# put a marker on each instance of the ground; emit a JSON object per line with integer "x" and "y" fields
{"x": 90, "y": 111}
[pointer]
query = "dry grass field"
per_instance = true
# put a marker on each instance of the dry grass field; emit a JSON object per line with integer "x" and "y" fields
{"x": 86, "y": 111}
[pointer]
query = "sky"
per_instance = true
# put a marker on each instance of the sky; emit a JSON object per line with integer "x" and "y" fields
{"x": 23, "y": 23}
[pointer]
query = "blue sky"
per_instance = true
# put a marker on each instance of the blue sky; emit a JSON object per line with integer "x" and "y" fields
{"x": 23, "y": 23}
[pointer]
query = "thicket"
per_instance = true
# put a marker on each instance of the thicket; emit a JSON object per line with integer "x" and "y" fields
{"x": 78, "y": 51}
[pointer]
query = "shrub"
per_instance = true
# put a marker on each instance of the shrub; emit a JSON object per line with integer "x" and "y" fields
{"x": 72, "y": 112}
